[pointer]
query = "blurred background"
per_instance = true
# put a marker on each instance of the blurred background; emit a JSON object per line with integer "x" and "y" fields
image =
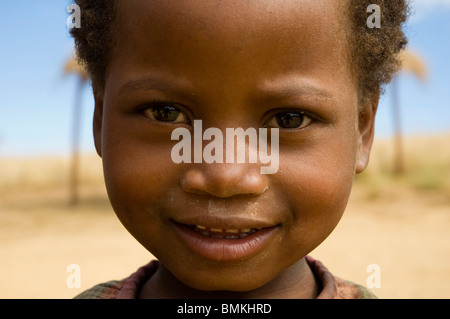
{"x": 53, "y": 206}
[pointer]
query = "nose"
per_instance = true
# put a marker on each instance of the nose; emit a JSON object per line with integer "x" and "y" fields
{"x": 225, "y": 180}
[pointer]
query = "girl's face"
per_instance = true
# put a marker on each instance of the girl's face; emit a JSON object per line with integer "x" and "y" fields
{"x": 232, "y": 64}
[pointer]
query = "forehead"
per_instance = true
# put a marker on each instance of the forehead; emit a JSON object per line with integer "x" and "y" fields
{"x": 230, "y": 14}
{"x": 211, "y": 39}
{"x": 222, "y": 19}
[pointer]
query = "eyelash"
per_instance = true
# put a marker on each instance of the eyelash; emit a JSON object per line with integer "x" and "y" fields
{"x": 155, "y": 105}
{"x": 297, "y": 115}
{"x": 302, "y": 116}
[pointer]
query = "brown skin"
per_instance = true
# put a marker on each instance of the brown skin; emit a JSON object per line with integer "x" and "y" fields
{"x": 232, "y": 64}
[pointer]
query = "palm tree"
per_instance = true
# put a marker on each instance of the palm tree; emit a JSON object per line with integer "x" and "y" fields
{"x": 411, "y": 63}
{"x": 72, "y": 66}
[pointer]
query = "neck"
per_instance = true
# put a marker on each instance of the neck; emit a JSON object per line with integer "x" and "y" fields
{"x": 296, "y": 282}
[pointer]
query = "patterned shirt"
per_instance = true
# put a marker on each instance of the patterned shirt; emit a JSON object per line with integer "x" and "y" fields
{"x": 128, "y": 288}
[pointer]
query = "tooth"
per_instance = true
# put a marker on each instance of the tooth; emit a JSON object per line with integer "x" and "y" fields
{"x": 216, "y": 230}
{"x": 234, "y": 231}
{"x": 200, "y": 227}
{"x": 244, "y": 230}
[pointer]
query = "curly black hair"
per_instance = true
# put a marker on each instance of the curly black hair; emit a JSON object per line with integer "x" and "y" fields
{"x": 374, "y": 50}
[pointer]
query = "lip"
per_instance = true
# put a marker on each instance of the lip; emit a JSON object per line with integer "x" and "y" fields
{"x": 226, "y": 249}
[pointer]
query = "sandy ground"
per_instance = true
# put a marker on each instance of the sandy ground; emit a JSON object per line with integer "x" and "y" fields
{"x": 407, "y": 236}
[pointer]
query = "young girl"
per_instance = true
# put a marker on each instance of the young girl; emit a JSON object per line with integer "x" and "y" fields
{"x": 311, "y": 70}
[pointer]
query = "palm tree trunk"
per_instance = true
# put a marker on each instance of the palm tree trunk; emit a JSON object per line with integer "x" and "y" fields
{"x": 75, "y": 161}
{"x": 399, "y": 167}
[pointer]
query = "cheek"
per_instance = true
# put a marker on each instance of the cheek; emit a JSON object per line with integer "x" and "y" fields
{"x": 137, "y": 177}
{"x": 317, "y": 185}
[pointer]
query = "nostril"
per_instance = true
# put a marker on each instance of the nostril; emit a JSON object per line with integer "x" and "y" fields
{"x": 265, "y": 189}
{"x": 193, "y": 181}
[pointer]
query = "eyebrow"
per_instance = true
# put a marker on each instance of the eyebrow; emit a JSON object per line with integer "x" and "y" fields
{"x": 288, "y": 88}
{"x": 295, "y": 88}
{"x": 155, "y": 84}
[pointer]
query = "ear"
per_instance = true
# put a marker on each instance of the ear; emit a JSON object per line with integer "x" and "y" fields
{"x": 98, "y": 121}
{"x": 366, "y": 132}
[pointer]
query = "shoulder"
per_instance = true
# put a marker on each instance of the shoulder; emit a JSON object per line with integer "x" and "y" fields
{"x": 127, "y": 288}
{"x": 334, "y": 287}
{"x": 349, "y": 290}
{"x": 106, "y": 290}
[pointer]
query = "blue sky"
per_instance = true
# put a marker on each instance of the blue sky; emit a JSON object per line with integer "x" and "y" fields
{"x": 36, "y": 100}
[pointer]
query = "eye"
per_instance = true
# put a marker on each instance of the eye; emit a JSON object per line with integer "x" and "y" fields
{"x": 165, "y": 112}
{"x": 290, "y": 120}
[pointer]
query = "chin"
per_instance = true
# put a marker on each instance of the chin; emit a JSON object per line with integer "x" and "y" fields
{"x": 225, "y": 283}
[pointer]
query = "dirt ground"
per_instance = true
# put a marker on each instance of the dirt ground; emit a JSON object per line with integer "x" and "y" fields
{"x": 405, "y": 235}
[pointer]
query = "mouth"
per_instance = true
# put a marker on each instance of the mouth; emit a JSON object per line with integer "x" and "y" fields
{"x": 225, "y": 244}
{"x": 234, "y": 233}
